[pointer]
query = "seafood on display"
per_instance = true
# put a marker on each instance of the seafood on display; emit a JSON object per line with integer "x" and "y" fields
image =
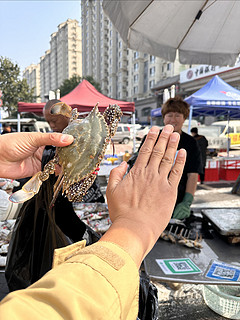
{"x": 182, "y": 237}
{"x": 80, "y": 160}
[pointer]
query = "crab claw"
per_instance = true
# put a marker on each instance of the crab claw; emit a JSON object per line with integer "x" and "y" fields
{"x": 61, "y": 108}
{"x": 28, "y": 190}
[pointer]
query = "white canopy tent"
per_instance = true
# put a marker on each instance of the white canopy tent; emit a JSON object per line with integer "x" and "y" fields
{"x": 202, "y": 31}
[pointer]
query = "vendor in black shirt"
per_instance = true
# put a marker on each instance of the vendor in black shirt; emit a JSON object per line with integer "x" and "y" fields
{"x": 175, "y": 111}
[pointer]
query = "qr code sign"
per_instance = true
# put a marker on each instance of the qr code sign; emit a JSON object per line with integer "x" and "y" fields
{"x": 224, "y": 273}
{"x": 180, "y": 266}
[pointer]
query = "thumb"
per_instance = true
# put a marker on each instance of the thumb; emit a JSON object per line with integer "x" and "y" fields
{"x": 116, "y": 176}
{"x": 53, "y": 138}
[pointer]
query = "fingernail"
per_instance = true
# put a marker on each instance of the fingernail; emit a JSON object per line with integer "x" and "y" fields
{"x": 66, "y": 138}
{"x": 174, "y": 137}
{"x": 122, "y": 163}
{"x": 182, "y": 153}
{"x": 154, "y": 130}
{"x": 168, "y": 128}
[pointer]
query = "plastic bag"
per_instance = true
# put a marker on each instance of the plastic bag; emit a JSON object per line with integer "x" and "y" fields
{"x": 38, "y": 231}
{"x": 148, "y": 299}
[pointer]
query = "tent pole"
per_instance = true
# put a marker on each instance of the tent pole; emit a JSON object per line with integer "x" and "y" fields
{"x": 134, "y": 131}
{"x": 229, "y": 139}
{"x": 18, "y": 122}
{"x": 190, "y": 119}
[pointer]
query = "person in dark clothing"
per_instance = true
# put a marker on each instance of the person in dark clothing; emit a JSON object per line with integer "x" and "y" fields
{"x": 203, "y": 144}
{"x": 7, "y": 128}
{"x": 174, "y": 112}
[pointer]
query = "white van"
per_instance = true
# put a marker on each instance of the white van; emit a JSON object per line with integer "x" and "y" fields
{"x": 28, "y": 125}
{"x": 232, "y": 127}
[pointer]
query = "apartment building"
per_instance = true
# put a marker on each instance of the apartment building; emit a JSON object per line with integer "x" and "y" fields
{"x": 124, "y": 74}
{"x": 62, "y": 60}
{"x": 32, "y": 75}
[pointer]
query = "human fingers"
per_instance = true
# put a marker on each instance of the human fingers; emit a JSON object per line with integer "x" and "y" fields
{"x": 169, "y": 156}
{"x": 159, "y": 150}
{"x": 115, "y": 178}
{"x": 53, "y": 138}
{"x": 177, "y": 170}
{"x": 146, "y": 149}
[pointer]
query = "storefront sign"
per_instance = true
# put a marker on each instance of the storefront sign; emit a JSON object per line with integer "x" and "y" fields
{"x": 202, "y": 71}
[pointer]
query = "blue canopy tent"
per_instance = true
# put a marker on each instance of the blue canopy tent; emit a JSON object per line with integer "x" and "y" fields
{"x": 214, "y": 99}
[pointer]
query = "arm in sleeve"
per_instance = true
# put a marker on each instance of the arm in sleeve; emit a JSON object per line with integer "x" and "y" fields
{"x": 98, "y": 282}
{"x": 192, "y": 183}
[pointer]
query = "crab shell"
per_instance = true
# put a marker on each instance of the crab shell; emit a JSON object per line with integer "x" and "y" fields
{"x": 80, "y": 160}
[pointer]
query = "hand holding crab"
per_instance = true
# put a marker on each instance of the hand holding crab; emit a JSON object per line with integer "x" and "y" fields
{"x": 79, "y": 161}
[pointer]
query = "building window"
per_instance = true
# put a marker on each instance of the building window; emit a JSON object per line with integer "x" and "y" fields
{"x": 136, "y": 66}
{"x": 120, "y": 64}
{"x": 152, "y": 59}
{"x": 146, "y": 112}
{"x": 169, "y": 66}
{"x": 162, "y": 68}
{"x": 151, "y": 83}
{"x": 135, "y": 90}
{"x": 120, "y": 54}
{"x": 120, "y": 44}
{"x": 152, "y": 71}
{"x": 135, "y": 78}
{"x": 136, "y": 55}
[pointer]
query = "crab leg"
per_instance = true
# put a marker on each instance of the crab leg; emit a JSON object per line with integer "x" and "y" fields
{"x": 28, "y": 190}
{"x": 33, "y": 185}
{"x": 61, "y": 108}
{"x": 56, "y": 189}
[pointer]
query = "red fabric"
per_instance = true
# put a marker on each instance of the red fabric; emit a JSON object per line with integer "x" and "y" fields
{"x": 84, "y": 97}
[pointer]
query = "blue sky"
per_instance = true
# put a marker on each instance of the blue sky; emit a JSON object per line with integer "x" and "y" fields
{"x": 26, "y": 27}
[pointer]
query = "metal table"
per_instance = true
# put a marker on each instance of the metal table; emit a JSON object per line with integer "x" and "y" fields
{"x": 214, "y": 247}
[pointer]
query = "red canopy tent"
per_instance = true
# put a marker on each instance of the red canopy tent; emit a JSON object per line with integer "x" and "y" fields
{"x": 84, "y": 97}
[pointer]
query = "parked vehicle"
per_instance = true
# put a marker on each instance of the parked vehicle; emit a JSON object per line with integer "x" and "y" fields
{"x": 28, "y": 125}
{"x": 232, "y": 128}
{"x": 216, "y": 142}
{"x": 141, "y": 132}
{"x": 123, "y": 134}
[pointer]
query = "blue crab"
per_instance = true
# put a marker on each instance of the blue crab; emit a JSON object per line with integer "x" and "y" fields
{"x": 79, "y": 161}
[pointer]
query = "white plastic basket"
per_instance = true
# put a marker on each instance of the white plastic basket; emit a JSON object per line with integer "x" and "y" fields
{"x": 224, "y": 300}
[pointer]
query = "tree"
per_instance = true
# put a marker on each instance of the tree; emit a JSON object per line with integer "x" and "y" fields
{"x": 14, "y": 88}
{"x": 93, "y": 82}
{"x": 70, "y": 84}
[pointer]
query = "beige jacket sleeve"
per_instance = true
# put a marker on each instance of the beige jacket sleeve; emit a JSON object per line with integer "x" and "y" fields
{"x": 97, "y": 282}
